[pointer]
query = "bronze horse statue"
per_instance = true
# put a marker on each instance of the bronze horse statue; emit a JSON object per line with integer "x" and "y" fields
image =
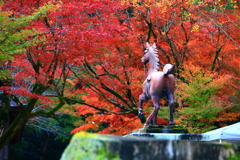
{"x": 157, "y": 85}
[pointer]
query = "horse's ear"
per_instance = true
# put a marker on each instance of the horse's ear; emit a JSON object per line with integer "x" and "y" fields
{"x": 147, "y": 44}
{"x": 154, "y": 45}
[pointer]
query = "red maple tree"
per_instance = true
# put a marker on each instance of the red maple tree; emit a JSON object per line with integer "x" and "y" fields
{"x": 97, "y": 46}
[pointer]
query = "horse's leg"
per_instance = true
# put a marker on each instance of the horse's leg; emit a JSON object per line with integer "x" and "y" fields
{"x": 142, "y": 98}
{"x": 152, "y": 121}
{"x": 155, "y": 100}
{"x": 155, "y": 118}
{"x": 171, "y": 105}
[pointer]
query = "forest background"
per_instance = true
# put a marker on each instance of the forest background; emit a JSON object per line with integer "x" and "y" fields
{"x": 75, "y": 66}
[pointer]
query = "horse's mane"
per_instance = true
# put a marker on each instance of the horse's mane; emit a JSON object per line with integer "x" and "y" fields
{"x": 153, "y": 58}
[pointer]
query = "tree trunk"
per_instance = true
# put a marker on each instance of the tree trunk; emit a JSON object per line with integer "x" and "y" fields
{"x": 17, "y": 123}
{"x": 215, "y": 58}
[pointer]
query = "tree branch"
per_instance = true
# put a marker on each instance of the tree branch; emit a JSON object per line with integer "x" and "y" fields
{"x": 101, "y": 109}
{"x": 51, "y": 112}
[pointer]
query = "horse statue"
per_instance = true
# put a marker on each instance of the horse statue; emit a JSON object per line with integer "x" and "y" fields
{"x": 157, "y": 85}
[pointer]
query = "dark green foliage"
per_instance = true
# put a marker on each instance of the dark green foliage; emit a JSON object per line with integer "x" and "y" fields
{"x": 36, "y": 146}
{"x": 44, "y": 138}
{"x": 17, "y": 150}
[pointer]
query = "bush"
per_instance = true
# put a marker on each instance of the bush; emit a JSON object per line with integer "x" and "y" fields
{"x": 199, "y": 90}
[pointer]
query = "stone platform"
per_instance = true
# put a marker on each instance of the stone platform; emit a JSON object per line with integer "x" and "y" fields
{"x": 165, "y": 129}
{"x": 225, "y": 134}
{"x": 167, "y": 133}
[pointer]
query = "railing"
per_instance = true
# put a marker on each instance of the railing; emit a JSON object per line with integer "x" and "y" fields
{"x": 4, "y": 153}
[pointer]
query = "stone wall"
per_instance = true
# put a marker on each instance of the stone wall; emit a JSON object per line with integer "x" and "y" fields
{"x": 85, "y": 146}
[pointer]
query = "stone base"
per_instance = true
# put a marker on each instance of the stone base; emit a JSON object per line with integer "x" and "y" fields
{"x": 85, "y": 146}
{"x": 165, "y": 129}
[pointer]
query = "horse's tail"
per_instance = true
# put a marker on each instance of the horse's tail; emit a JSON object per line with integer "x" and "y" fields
{"x": 169, "y": 69}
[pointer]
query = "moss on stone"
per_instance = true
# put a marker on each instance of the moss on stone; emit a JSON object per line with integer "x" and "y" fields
{"x": 228, "y": 145}
{"x": 234, "y": 156}
{"x": 231, "y": 147}
{"x": 85, "y": 146}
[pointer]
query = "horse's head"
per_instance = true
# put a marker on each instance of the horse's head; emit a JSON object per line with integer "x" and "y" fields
{"x": 148, "y": 52}
{"x": 145, "y": 58}
{"x": 150, "y": 55}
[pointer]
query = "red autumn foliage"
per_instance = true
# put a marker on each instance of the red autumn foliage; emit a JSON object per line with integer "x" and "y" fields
{"x": 98, "y": 45}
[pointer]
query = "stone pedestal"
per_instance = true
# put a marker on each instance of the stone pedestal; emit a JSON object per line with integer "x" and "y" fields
{"x": 85, "y": 146}
{"x": 165, "y": 129}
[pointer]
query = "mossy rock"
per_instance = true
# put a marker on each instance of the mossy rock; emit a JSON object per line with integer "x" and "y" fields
{"x": 87, "y": 146}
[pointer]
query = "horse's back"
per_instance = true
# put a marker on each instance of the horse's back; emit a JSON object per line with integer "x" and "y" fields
{"x": 159, "y": 82}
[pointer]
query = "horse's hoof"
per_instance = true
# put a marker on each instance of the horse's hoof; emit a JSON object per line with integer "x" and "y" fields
{"x": 145, "y": 125}
{"x": 140, "y": 115}
{"x": 171, "y": 123}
